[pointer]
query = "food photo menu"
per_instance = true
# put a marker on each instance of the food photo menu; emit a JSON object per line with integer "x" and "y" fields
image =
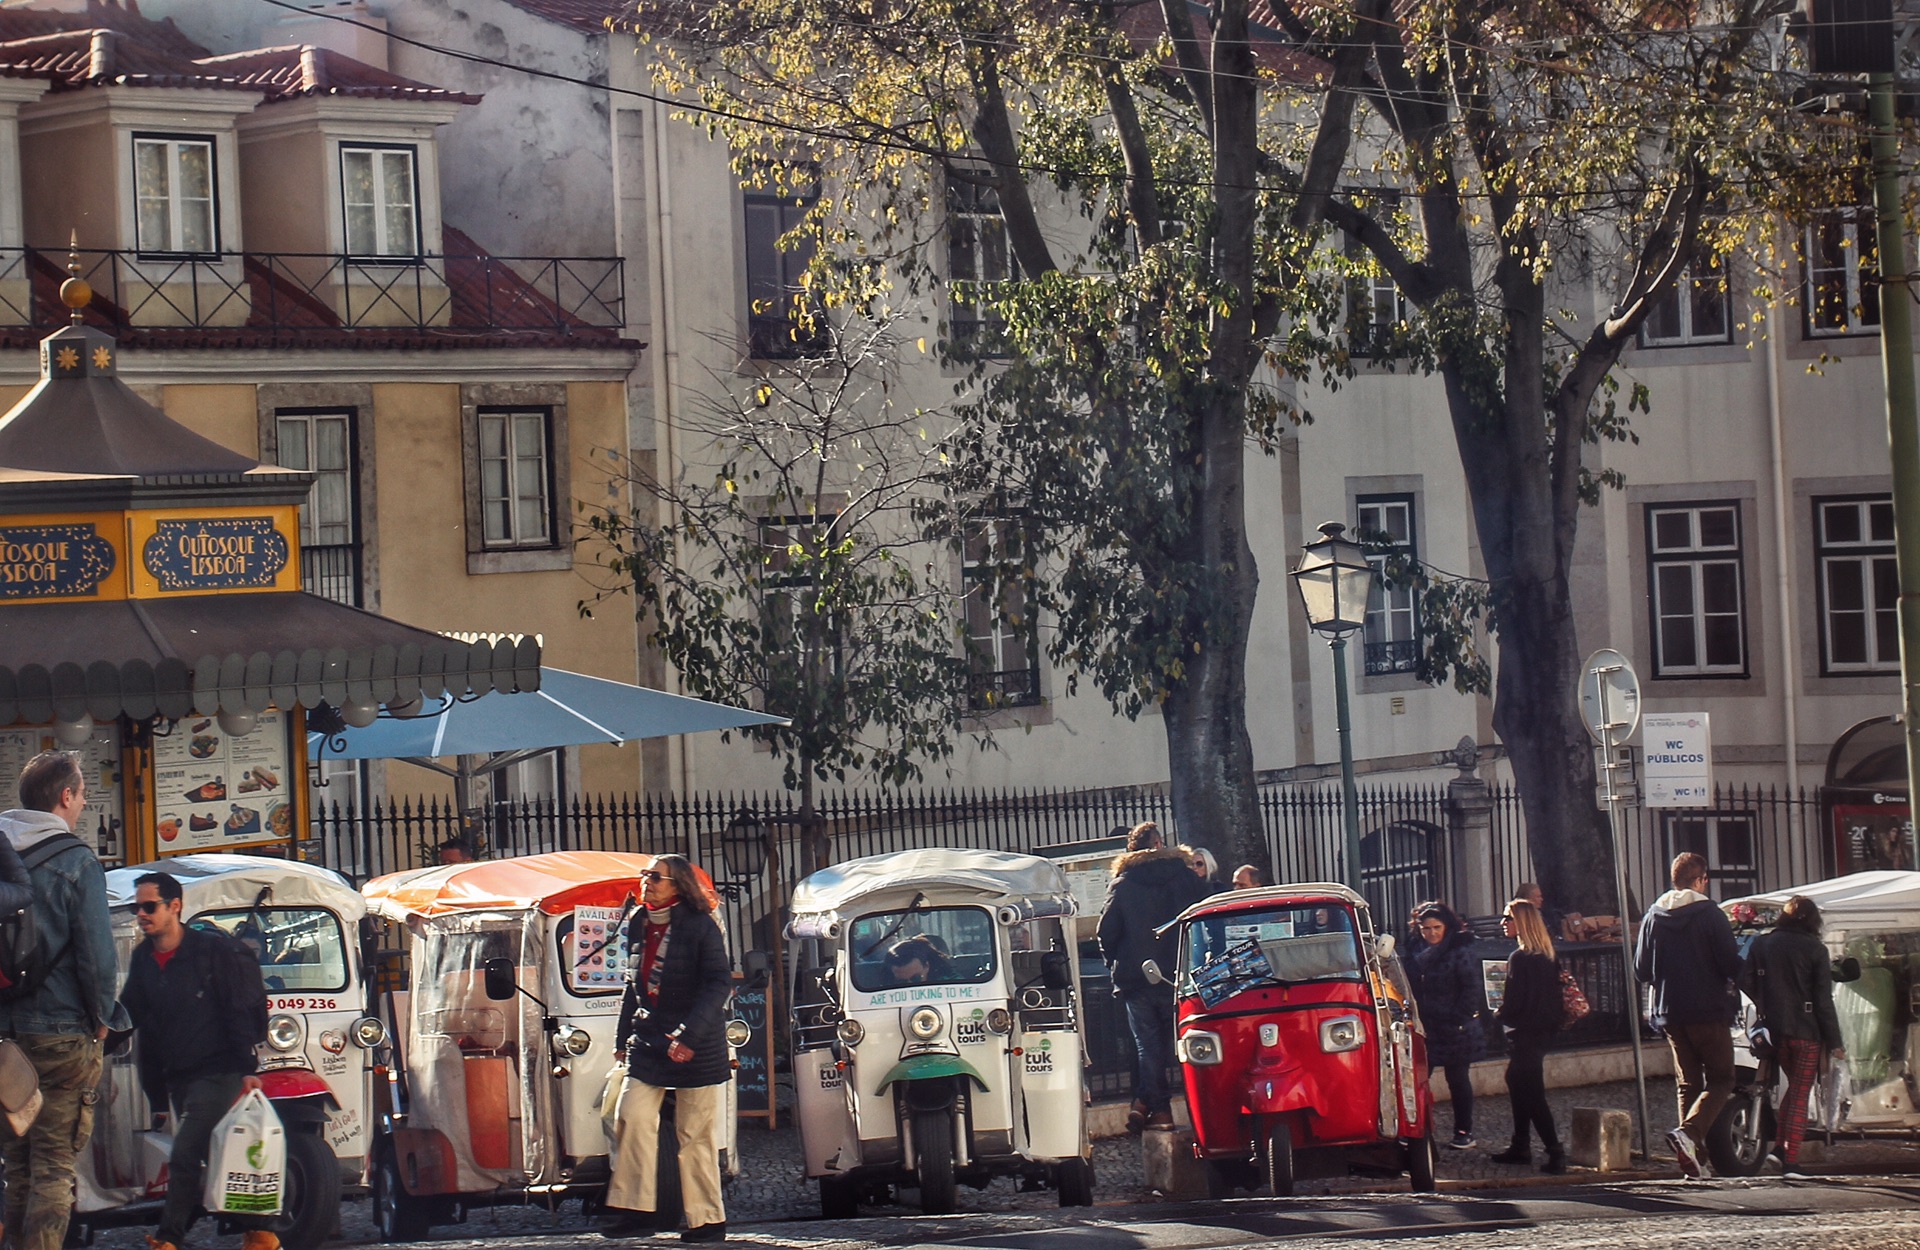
{"x": 101, "y": 825}
{"x": 215, "y": 792}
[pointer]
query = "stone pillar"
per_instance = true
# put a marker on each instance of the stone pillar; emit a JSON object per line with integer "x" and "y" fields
{"x": 1470, "y": 834}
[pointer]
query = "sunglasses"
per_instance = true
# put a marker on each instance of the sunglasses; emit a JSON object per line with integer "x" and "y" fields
{"x": 653, "y": 876}
{"x": 147, "y": 909}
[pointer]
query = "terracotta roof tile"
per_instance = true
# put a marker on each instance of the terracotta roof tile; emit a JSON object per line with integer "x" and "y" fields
{"x": 162, "y": 37}
{"x": 85, "y": 57}
{"x": 587, "y": 16}
{"x": 304, "y": 70}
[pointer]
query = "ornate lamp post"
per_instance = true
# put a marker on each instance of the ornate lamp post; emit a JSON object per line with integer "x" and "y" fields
{"x": 1335, "y": 582}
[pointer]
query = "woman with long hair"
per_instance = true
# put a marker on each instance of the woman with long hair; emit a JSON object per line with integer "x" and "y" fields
{"x": 1531, "y": 1012}
{"x": 672, "y": 1036}
{"x": 1789, "y": 976}
{"x": 1446, "y": 984}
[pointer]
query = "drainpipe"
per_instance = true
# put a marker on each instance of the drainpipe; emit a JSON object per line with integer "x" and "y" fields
{"x": 1783, "y": 555}
{"x": 667, "y": 374}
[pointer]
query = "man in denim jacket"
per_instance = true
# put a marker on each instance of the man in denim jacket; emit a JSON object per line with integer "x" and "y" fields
{"x": 61, "y": 1025}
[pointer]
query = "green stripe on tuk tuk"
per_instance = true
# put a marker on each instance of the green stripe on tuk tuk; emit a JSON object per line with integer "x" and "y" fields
{"x": 926, "y": 1067}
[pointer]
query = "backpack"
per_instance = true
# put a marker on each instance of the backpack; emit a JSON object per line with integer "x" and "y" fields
{"x": 24, "y": 962}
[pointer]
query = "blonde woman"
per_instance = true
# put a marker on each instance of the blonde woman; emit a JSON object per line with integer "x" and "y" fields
{"x": 1531, "y": 1013}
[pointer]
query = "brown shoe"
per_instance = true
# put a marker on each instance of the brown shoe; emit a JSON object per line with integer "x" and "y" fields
{"x": 1137, "y": 1117}
{"x": 1160, "y": 1121}
{"x": 259, "y": 1239}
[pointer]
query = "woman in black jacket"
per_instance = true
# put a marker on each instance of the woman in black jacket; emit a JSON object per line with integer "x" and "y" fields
{"x": 1789, "y": 976}
{"x": 1531, "y": 1012}
{"x": 672, "y": 1035}
{"x": 1446, "y": 984}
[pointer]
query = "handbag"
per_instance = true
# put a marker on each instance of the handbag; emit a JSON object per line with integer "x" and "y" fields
{"x": 247, "y": 1160}
{"x": 608, "y": 1103}
{"x": 19, "y": 1087}
{"x": 1574, "y": 1006}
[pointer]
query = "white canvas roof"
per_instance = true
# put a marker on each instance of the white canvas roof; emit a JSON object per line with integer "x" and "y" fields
{"x": 218, "y": 879}
{"x": 996, "y": 875}
{"x": 1864, "y": 900}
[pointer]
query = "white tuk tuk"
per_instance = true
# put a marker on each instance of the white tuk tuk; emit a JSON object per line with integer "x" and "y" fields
{"x": 936, "y": 1029}
{"x": 504, "y": 1036}
{"x": 1871, "y": 925}
{"x": 317, "y": 1065}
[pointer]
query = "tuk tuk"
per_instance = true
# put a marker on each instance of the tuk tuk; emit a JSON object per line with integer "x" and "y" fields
{"x": 317, "y": 1064}
{"x": 504, "y": 1034}
{"x": 936, "y": 1028}
{"x": 1871, "y": 925}
{"x": 1299, "y": 1041}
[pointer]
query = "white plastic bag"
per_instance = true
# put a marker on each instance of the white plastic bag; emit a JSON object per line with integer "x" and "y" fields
{"x": 247, "y": 1160}
{"x": 608, "y": 1103}
{"x": 1835, "y": 1092}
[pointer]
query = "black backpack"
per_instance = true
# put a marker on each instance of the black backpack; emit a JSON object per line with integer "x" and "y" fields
{"x": 24, "y": 961}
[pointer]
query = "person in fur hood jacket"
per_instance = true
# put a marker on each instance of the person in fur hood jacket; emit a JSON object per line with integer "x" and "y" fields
{"x": 1152, "y": 884}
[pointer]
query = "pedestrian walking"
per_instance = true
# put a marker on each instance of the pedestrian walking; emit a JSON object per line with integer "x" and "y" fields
{"x": 672, "y": 1037}
{"x": 1688, "y": 957}
{"x": 1248, "y": 877}
{"x": 1789, "y": 976}
{"x": 1531, "y": 1013}
{"x": 59, "y": 1014}
{"x": 199, "y": 1006}
{"x": 1447, "y": 985}
{"x": 1152, "y": 883}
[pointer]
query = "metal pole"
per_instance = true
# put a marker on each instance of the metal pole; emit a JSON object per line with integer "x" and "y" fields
{"x": 1349, "y": 796}
{"x": 1903, "y": 438}
{"x": 1609, "y": 764}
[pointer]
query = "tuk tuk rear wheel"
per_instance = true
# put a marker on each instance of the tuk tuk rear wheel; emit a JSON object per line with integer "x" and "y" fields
{"x": 933, "y": 1160}
{"x": 1420, "y": 1164}
{"x": 1276, "y": 1161}
{"x": 312, "y": 1192}
{"x": 1076, "y": 1183}
{"x": 397, "y": 1215}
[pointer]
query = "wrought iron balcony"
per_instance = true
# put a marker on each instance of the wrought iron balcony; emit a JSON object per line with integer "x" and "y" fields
{"x": 1391, "y": 657}
{"x": 1018, "y": 687}
{"x": 295, "y": 296}
{"x": 332, "y": 572}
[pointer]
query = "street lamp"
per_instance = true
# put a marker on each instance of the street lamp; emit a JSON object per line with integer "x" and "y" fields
{"x": 1335, "y": 581}
{"x": 744, "y": 847}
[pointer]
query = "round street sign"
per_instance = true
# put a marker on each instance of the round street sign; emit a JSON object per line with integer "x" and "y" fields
{"x": 1610, "y": 697}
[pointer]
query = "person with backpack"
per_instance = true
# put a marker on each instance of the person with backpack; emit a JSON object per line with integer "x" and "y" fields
{"x": 1531, "y": 1011}
{"x": 200, "y": 1007}
{"x": 59, "y": 995}
{"x": 1789, "y": 976}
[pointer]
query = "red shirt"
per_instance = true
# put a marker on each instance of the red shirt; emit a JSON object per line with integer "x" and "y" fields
{"x": 164, "y": 957}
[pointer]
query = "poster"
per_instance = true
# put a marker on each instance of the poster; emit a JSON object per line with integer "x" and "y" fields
{"x": 1493, "y": 976}
{"x": 104, "y": 825}
{"x": 1676, "y": 766}
{"x": 597, "y": 955}
{"x": 214, "y": 792}
{"x": 1868, "y": 838}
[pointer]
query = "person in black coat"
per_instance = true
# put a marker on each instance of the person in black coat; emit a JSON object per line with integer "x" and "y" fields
{"x": 672, "y": 1035}
{"x": 1531, "y": 1012}
{"x": 1789, "y": 976}
{"x": 1447, "y": 985}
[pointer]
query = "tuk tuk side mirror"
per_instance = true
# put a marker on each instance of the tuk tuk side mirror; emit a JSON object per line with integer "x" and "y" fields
{"x": 1847, "y": 969}
{"x": 1150, "y": 969}
{"x": 1055, "y": 972}
{"x": 501, "y": 984}
{"x": 1383, "y": 946}
{"x": 758, "y": 967}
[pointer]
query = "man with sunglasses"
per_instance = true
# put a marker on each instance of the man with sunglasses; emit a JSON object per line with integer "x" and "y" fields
{"x": 60, "y": 1012}
{"x": 200, "y": 1007}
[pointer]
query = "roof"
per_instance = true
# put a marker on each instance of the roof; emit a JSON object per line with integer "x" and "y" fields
{"x": 554, "y": 883}
{"x": 218, "y": 879}
{"x": 1862, "y": 900}
{"x": 1267, "y": 896}
{"x": 72, "y": 59}
{"x": 997, "y": 876}
{"x": 163, "y": 37}
{"x": 297, "y": 70}
{"x": 587, "y": 16}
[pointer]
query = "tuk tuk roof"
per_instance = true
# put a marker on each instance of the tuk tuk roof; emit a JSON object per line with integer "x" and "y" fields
{"x": 1269, "y": 895}
{"x": 553, "y": 883}
{"x": 221, "y": 879}
{"x": 1863, "y": 900}
{"x": 997, "y": 874}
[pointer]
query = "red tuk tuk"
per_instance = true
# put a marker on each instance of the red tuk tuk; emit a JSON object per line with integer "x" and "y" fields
{"x": 1299, "y": 1041}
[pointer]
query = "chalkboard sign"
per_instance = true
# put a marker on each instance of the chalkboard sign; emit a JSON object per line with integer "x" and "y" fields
{"x": 755, "y": 1076}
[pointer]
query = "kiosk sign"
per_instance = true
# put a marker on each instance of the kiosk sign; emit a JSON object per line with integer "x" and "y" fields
{"x": 53, "y": 561}
{"x": 237, "y": 553}
{"x": 1677, "y": 760}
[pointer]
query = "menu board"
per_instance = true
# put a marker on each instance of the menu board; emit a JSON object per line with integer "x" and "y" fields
{"x": 103, "y": 825}
{"x": 215, "y": 792}
{"x": 597, "y": 959}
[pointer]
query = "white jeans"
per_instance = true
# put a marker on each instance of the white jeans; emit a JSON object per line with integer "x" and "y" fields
{"x": 696, "y": 1118}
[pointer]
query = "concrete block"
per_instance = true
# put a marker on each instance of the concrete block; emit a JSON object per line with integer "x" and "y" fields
{"x": 1601, "y": 1139}
{"x": 1166, "y": 1159}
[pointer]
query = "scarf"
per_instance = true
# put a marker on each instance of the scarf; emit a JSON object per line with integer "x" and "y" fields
{"x": 654, "y": 967}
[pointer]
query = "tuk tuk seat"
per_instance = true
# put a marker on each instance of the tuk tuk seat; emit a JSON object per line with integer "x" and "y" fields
{"x": 475, "y": 1021}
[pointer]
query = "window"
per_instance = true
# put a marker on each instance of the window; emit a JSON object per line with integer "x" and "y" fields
{"x": 1694, "y": 311}
{"x": 977, "y": 254}
{"x": 780, "y": 320}
{"x": 1699, "y": 627}
{"x": 929, "y": 946}
{"x": 1375, "y": 306}
{"x": 1392, "y": 631}
{"x": 173, "y": 195}
{"x": 1843, "y": 265}
{"x": 299, "y": 948}
{"x": 1859, "y": 585}
{"x": 380, "y": 201}
{"x": 1726, "y": 841}
{"x": 516, "y": 480}
{"x": 1003, "y": 663}
{"x": 797, "y": 633}
{"x": 321, "y": 443}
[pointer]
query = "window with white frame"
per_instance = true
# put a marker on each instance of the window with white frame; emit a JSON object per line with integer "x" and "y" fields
{"x": 778, "y": 252}
{"x": 1842, "y": 263}
{"x": 1696, "y": 585}
{"x": 1859, "y": 585}
{"x": 796, "y": 631}
{"x": 1391, "y": 634}
{"x": 380, "y": 198}
{"x": 1003, "y": 657}
{"x": 977, "y": 255}
{"x": 1694, "y": 311}
{"x": 321, "y": 443}
{"x": 1375, "y": 305}
{"x": 174, "y": 208}
{"x": 516, "y": 477}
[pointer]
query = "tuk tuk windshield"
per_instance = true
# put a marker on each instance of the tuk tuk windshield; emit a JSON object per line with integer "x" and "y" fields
{"x": 921, "y": 946}
{"x": 1224, "y": 954}
{"x": 299, "y": 948}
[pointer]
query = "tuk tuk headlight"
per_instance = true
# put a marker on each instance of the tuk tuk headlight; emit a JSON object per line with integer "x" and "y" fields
{"x": 368, "y": 1032}
{"x": 283, "y": 1033}
{"x": 1199, "y": 1048}
{"x": 926, "y": 1023}
{"x": 575, "y": 1041}
{"x": 739, "y": 1033}
{"x": 850, "y": 1032}
{"x": 1342, "y": 1034}
{"x": 999, "y": 1020}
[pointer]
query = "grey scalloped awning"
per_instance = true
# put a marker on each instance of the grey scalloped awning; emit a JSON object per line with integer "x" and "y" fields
{"x": 205, "y": 654}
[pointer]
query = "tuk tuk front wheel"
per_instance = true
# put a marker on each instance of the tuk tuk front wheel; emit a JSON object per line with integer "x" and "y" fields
{"x": 1076, "y": 1183}
{"x": 312, "y": 1191}
{"x": 397, "y": 1215}
{"x": 933, "y": 1160}
{"x": 1276, "y": 1161}
{"x": 1737, "y": 1143}
{"x": 1420, "y": 1164}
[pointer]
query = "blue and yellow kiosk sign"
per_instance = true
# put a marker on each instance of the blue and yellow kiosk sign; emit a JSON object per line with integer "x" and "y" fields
{"x": 195, "y": 552}
{"x": 65, "y": 559}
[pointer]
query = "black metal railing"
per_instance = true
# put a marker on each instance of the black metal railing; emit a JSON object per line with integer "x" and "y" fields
{"x": 332, "y": 572}
{"x": 292, "y": 293}
{"x": 1381, "y": 658}
{"x": 1014, "y": 687}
